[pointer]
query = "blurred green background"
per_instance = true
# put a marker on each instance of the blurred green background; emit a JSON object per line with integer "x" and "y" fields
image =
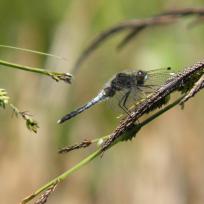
{"x": 164, "y": 164}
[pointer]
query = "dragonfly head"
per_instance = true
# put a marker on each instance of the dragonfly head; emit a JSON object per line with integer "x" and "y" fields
{"x": 141, "y": 76}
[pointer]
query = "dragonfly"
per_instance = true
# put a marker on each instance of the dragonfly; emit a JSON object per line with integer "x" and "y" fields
{"x": 128, "y": 88}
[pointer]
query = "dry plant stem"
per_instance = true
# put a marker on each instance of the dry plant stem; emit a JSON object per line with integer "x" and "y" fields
{"x": 128, "y": 25}
{"x": 196, "y": 88}
{"x": 151, "y": 118}
{"x": 84, "y": 144}
{"x": 134, "y": 27}
{"x": 185, "y": 12}
{"x": 97, "y": 153}
{"x": 130, "y": 36}
{"x": 150, "y": 102}
{"x": 137, "y": 127}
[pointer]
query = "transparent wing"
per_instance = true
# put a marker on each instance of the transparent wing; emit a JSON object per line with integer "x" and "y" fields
{"x": 155, "y": 78}
{"x": 158, "y": 77}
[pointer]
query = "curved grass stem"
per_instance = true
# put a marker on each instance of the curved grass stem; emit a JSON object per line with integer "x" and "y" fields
{"x": 63, "y": 176}
{"x": 66, "y": 77}
{"x": 33, "y": 51}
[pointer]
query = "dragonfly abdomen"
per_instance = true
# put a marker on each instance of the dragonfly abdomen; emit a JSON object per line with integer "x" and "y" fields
{"x": 99, "y": 98}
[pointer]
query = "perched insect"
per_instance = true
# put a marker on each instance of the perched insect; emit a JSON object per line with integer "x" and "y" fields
{"x": 128, "y": 88}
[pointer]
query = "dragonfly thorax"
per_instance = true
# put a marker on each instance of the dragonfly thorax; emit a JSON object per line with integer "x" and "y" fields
{"x": 122, "y": 81}
{"x": 125, "y": 81}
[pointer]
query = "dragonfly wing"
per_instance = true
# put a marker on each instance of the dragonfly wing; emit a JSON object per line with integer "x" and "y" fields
{"x": 125, "y": 100}
{"x": 158, "y": 77}
{"x": 132, "y": 97}
{"x": 155, "y": 79}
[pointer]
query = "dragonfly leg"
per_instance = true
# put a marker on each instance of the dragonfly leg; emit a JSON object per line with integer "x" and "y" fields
{"x": 123, "y": 101}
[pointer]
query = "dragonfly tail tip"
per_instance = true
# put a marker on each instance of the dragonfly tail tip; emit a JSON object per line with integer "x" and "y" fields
{"x": 59, "y": 121}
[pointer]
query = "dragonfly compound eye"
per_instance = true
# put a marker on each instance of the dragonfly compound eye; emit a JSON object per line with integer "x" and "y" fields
{"x": 141, "y": 76}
